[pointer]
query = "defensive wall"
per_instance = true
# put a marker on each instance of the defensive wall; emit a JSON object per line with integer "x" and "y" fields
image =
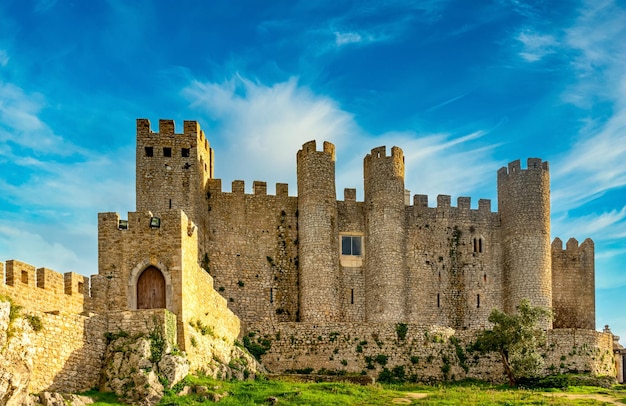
{"x": 573, "y": 284}
{"x": 68, "y": 347}
{"x": 419, "y": 352}
{"x": 453, "y": 256}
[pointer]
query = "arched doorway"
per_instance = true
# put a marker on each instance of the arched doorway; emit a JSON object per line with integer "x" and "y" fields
{"x": 151, "y": 289}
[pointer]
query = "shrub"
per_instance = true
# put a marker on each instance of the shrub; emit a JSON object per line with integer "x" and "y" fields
{"x": 35, "y": 322}
{"x": 401, "y": 330}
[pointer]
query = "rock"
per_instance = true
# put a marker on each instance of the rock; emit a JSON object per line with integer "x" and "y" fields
{"x": 185, "y": 391}
{"x": 216, "y": 397}
{"x": 51, "y": 399}
{"x": 174, "y": 368}
{"x": 200, "y": 389}
{"x": 16, "y": 358}
{"x": 78, "y": 400}
{"x": 272, "y": 400}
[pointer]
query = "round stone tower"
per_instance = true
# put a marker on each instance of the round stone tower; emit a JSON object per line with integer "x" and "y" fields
{"x": 524, "y": 206}
{"x": 385, "y": 267}
{"x": 318, "y": 244}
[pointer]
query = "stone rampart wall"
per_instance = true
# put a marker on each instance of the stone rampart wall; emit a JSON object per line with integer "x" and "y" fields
{"x": 573, "y": 284}
{"x": 454, "y": 261}
{"x": 252, "y": 251}
{"x": 68, "y": 352}
{"x": 424, "y": 353}
{"x": 43, "y": 289}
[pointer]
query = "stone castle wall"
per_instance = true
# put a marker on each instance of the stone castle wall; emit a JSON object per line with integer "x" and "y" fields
{"x": 573, "y": 284}
{"x": 524, "y": 207}
{"x": 455, "y": 270}
{"x": 420, "y": 352}
{"x": 68, "y": 347}
{"x": 278, "y": 258}
{"x": 252, "y": 250}
{"x": 385, "y": 236}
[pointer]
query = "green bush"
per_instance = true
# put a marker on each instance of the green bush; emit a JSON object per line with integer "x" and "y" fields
{"x": 35, "y": 322}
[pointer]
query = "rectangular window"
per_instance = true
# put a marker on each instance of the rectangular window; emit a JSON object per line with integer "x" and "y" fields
{"x": 167, "y": 152}
{"x": 184, "y": 152}
{"x": 149, "y": 151}
{"x": 350, "y": 245}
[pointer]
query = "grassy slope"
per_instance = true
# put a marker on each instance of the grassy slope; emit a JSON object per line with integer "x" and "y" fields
{"x": 298, "y": 393}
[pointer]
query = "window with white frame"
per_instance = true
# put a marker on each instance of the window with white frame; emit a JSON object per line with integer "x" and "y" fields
{"x": 351, "y": 245}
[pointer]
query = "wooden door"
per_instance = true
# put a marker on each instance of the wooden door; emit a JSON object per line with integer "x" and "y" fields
{"x": 151, "y": 289}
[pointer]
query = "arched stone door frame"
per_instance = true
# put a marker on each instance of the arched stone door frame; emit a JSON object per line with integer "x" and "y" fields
{"x": 134, "y": 277}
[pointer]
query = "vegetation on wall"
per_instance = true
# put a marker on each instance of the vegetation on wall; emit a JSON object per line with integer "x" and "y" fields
{"x": 517, "y": 338}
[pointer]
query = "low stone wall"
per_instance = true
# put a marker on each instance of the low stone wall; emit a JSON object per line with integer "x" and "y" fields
{"x": 137, "y": 322}
{"x": 68, "y": 352}
{"x": 423, "y": 353}
{"x": 578, "y": 350}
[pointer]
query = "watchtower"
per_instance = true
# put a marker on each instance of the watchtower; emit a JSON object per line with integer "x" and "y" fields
{"x": 172, "y": 169}
{"x": 524, "y": 206}
{"x": 385, "y": 263}
{"x": 318, "y": 244}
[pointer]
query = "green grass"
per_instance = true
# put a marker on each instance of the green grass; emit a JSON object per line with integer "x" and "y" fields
{"x": 289, "y": 392}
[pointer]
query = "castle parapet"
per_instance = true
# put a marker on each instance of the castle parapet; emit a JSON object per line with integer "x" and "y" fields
{"x": 43, "y": 289}
{"x": 531, "y": 164}
{"x": 573, "y": 284}
{"x": 311, "y": 147}
{"x": 259, "y": 188}
{"x": 443, "y": 201}
{"x": 282, "y": 189}
{"x": 349, "y": 195}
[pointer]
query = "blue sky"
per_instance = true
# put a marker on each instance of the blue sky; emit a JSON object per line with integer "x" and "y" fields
{"x": 462, "y": 89}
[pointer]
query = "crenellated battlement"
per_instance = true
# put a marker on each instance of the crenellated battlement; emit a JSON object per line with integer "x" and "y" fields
{"x": 311, "y": 148}
{"x": 573, "y": 283}
{"x": 572, "y": 249}
{"x": 238, "y": 187}
{"x": 532, "y": 164}
{"x": 168, "y": 127}
{"x": 381, "y": 152}
{"x": 444, "y": 202}
{"x": 43, "y": 289}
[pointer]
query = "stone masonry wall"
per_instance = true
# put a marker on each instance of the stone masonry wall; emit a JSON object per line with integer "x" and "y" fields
{"x": 68, "y": 352}
{"x": 573, "y": 284}
{"x": 385, "y": 236}
{"x": 68, "y": 348}
{"x": 454, "y": 262}
{"x": 43, "y": 289}
{"x": 524, "y": 206}
{"x": 423, "y": 353}
{"x": 252, "y": 250}
{"x": 318, "y": 248}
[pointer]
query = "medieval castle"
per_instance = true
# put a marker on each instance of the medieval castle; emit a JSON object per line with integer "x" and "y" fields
{"x": 315, "y": 281}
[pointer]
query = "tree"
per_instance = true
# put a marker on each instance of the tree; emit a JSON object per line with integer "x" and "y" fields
{"x": 517, "y": 338}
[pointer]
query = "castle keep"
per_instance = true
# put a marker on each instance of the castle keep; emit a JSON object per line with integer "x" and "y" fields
{"x": 312, "y": 281}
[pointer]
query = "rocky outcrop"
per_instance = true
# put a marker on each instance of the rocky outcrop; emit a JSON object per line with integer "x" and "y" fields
{"x": 138, "y": 369}
{"x": 16, "y": 356}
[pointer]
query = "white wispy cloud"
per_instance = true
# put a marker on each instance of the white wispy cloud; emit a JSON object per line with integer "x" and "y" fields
{"x": 265, "y": 125}
{"x": 343, "y": 38}
{"x": 53, "y": 188}
{"x": 535, "y": 46}
{"x": 595, "y": 163}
